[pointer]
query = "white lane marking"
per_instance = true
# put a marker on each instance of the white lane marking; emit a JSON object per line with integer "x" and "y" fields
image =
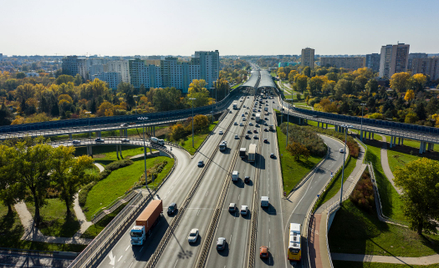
{"x": 175, "y": 264}
{"x": 239, "y": 196}
{"x": 131, "y": 264}
{"x": 198, "y": 213}
{"x": 119, "y": 258}
{"x": 231, "y": 239}
{"x": 269, "y": 231}
{"x": 112, "y": 258}
{"x": 127, "y": 247}
{"x": 269, "y": 246}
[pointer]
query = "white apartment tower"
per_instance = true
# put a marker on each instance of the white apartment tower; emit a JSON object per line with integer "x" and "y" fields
{"x": 394, "y": 59}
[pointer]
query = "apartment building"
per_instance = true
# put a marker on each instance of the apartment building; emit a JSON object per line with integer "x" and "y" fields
{"x": 427, "y": 66}
{"x": 113, "y": 79}
{"x": 415, "y": 56}
{"x": 209, "y": 66}
{"x": 394, "y": 59}
{"x": 373, "y": 62}
{"x": 308, "y": 57}
{"x": 351, "y": 63}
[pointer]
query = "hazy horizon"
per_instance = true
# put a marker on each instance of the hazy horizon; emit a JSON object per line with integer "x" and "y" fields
{"x": 242, "y": 28}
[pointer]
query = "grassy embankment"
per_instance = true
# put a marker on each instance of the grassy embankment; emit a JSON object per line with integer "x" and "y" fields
{"x": 198, "y": 139}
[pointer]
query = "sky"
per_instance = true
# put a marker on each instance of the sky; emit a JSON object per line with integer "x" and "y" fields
{"x": 234, "y": 27}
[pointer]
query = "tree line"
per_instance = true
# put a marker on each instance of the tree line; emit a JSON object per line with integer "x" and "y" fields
{"x": 32, "y": 170}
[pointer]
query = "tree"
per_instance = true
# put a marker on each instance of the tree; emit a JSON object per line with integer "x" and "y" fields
{"x": 291, "y": 76}
{"x": 105, "y": 108}
{"x": 315, "y": 85}
{"x": 6, "y": 116}
{"x": 411, "y": 117}
{"x": 69, "y": 173}
{"x": 417, "y": 82}
{"x": 197, "y": 90}
{"x": 298, "y": 150}
{"x": 307, "y": 71}
{"x": 33, "y": 165}
{"x": 432, "y": 106}
{"x": 11, "y": 191}
{"x": 64, "y": 79}
{"x": 77, "y": 80}
{"x": 372, "y": 86}
{"x": 420, "y": 110}
{"x": 301, "y": 82}
{"x": 399, "y": 81}
{"x": 419, "y": 180}
{"x": 409, "y": 95}
{"x": 166, "y": 99}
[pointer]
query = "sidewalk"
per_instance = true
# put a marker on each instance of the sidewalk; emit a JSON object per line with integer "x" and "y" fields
{"x": 426, "y": 260}
{"x": 386, "y": 166}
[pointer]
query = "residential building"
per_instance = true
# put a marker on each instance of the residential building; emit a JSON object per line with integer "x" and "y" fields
{"x": 209, "y": 66}
{"x": 351, "y": 63}
{"x": 427, "y": 66}
{"x": 415, "y": 56}
{"x": 373, "y": 62}
{"x": 113, "y": 79}
{"x": 138, "y": 73}
{"x": 308, "y": 57}
{"x": 172, "y": 73}
{"x": 120, "y": 66}
{"x": 70, "y": 65}
{"x": 394, "y": 59}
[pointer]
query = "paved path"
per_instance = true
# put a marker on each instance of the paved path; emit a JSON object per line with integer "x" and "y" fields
{"x": 426, "y": 260}
{"x": 386, "y": 166}
{"x": 99, "y": 166}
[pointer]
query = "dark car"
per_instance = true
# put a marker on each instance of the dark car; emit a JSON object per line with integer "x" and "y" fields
{"x": 247, "y": 179}
{"x": 99, "y": 140}
{"x": 172, "y": 208}
{"x": 272, "y": 155}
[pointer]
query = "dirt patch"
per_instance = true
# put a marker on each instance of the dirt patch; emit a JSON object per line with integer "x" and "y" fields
{"x": 98, "y": 155}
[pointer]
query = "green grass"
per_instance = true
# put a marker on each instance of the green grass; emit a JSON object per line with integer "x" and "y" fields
{"x": 198, "y": 139}
{"x": 95, "y": 229}
{"x": 118, "y": 182}
{"x": 390, "y": 199}
{"x": 292, "y": 171}
{"x": 237, "y": 85}
{"x": 348, "y": 264}
{"x": 335, "y": 185}
{"x": 357, "y": 232}
{"x": 106, "y": 154}
{"x": 54, "y": 218}
{"x": 398, "y": 159}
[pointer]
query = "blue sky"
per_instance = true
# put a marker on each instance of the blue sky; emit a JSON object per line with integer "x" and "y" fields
{"x": 234, "y": 27}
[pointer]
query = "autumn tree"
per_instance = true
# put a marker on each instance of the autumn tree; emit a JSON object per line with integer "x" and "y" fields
{"x": 417, "y": 82}
{"x": 11, "y": 191}
{"x": 399, "y": 81}
{"x": 197, "y": 90}
{"x": 298, "y": 150}
{"x": 105, "y": 109}
{"x": 419, "y": 180}
{"x": 301, "y": 82}
{"x": 409, "y": 95}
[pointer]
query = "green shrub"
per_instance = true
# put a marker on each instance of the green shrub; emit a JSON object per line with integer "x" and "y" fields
{"x": 306, "y": 137}
{"x": 113, "y": 166}
{"x": 362, "y": 196}
{"x": 82, "y": 197}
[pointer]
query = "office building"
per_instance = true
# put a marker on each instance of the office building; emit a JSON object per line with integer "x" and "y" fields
{"x": 308, "y": 57}
{"x": 394, "y": 59}
{"x": 351, "y": 63}
{"x": 427, "y": 66}
{"x": 373, "y": 62}
{"x": 415, "y": 56}
{"x": 113, "y": 79}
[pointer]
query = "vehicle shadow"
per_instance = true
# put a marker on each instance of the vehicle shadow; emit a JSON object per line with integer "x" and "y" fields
{"x": 144, "y": 252}
{"x": 248, "y": 216}
{"x": 239, "y": 183}
{"x": 197, "y": 243}
{"x": 268, "y": 261}
{"x": 225, "y": 251}
{"x": 270, "y": 210}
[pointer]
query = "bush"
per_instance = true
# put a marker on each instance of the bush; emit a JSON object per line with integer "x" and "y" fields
{"x": 306, "y": 137}
{"x": 362, "y": 196}
{"x": 154, "y": 171}
{"x": 82, "y": 197}
{"x": 113, "y": 166}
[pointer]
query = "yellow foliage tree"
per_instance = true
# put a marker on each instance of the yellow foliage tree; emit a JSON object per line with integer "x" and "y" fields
{"x": 399, "y": 81}
{"x": 102, "y": 110}
{"x": 409, "y": 95}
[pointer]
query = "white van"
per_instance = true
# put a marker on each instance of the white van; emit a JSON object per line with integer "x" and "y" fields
{"x": 235, "y": 175}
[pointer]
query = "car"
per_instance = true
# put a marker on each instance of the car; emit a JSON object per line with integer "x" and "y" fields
{"x": 236, "y": 137}
{"x": 99, "y": 140}
{"x": 172, "y": 208}
{"x": 220, "y": 132}
{"x": 241, "y": 125}
{"x": 341, "y": 150}
{"x": 236, "y": 123}
{"x": 124, "y": 124}
{"x": 263, "y": 252}
{"x": 247, "y": 179}
{"x": 257, "y": 125}
{"x": 250, "y": 124}
{"x": 315, "y": 116}
{"x": 230, "y": 111}
{"x": 232, "y": 207}
{"x": 76, "y": 141}
{"x": 248, "y": 107}
{"x": 247, "y": 137}
{"x": 243, "y": 105}
{"x": 272, "y": 155}
{"x": 255, "y": 131}
{"x": 246, "y": 112}
{"x": 266, "y": 118}
{"x": 125, "y": 140}
{"x": 259, "y": 110}
{"x": 244, "y": 119}
{"x": 242, "y": 115}
{"x": 255, "y": 137}
{"x": 265, "y": 129}
{"x": 265, "y": 141}
{"x": 193, "y": 235}
{"x": 273, "y": 101}
{"x": 200, "y": 163}
{"x": 244, "y": 210}
{"x": 221, "y": 243}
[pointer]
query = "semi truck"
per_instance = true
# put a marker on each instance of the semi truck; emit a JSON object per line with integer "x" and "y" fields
{"x": 157, "y": 141}
{"x": 242, "y": 152}
{"x": 252, "y": 153}
{"x": 146, "y": 220}
{"x": 258, "y": 117}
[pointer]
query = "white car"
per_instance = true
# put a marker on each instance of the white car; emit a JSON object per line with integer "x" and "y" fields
{"x": 243, "y": 119}
{"x": 125, "y": 140}
{"x": 244, "y": 210}
{"x": 241, "y": 125}
{"x": 341, "y": 150}
{"x": 236, "y": 123}
{"x": 220, "y": 132}
{"x": 193, "y": 236}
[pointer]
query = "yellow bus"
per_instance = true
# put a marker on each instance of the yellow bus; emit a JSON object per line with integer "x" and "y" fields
{"x": 294, "y": 251}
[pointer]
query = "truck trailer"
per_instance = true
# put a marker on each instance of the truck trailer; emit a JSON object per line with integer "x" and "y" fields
{"x": 146, "y": 220}
{"x": 252, "y": 153}
{"x": 258, "y": 117}
{"x": 242, "y": 152}
{"x": 157, "y": 141}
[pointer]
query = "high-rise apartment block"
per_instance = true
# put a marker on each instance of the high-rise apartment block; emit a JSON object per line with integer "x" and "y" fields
{"x": 308, "y": 57}
{"x": 415, "y": 56}
{"x": 70, "y": 65}
{"x": 373, "y": 62}
{"x": 209, "y": 66}
{"x": 351, "y": 63}
{"x": 113, "y": 79}
{"x": 394, "y": 59}
{"x": 427, "y": 66}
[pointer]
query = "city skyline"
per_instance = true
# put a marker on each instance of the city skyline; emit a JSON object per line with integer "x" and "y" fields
{"x": 234, "y": 28}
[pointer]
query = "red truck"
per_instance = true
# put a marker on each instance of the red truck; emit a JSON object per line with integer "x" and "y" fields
{"x": 146, "y": 221}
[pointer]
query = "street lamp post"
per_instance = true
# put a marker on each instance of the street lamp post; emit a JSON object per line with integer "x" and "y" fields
{"x": 144, "y": 152}
{"x": 192, "y": 102}
{"x": 346, "y": 127}
{"x": 288, "y": 122}
{"x": 361, "y": 129}
{"x": 88, "y": 115}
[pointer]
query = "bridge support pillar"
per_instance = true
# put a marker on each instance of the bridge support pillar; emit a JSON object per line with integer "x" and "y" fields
{"x": 421, "y": 148}
{"x": 90, "y": 150}
{"x": 117, "y": 152}
{"x": 153, "y": 130}
{"x": 370, "y": 134}
{"x": 326, "y": 125}
{"x": 121, "y": 133}
{"x": 120, "y": 151}
{"x": 98, "y": 133}
{"x": 126, "y": 132}
{"x": 361, "y": 135}
{"x": 402, "y": 141}
{"x": 70, "y": 136}
{"x": 391, "y": 141}
{"x": 318, "y": 124}
{"x": 432, "y": 147}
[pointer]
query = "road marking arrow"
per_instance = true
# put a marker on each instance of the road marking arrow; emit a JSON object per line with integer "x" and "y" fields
{"x": 112, "y": 258}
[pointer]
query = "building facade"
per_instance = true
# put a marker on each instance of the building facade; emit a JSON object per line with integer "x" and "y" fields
{"x": 373, "y": 62}
{"x": 415, "y": 56}
{"x": 113, "y": 79}
{"x": 209, "y": 66}
{"x": 351, "y": 63}
{"x": 394, "y": 59}
{"x": 308, "y": 57}
{"x": 427, "y": 66}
